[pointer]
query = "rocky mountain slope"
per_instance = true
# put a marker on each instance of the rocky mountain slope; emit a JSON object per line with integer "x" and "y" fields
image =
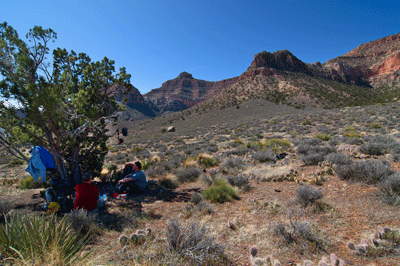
{"x": 365, "y": 75}
{"x": 183, "y": 92}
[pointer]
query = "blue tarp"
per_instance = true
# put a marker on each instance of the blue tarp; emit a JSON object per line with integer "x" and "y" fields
{"x": 39, "y": 162}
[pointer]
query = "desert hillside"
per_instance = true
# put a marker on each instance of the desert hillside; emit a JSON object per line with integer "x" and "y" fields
{"x": 244, "y": 186}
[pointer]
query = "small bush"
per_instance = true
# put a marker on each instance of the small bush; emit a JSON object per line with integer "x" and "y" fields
{"x": 306, "y": 195}
{"x": 323, "y": 137}
{"x": 370, "y": 172}
{"x": 168, "y": 183}
{"x": 193, "y": 242}
{"x": 196, "y": 198}
{"x": 207, "y": 161}
{"x": 83, "y": 222}
{"x": 187, "y": 174}
{"x": 264, "y": 156}
{"x": 390, "y": 189}
{"x": 352, "y": 134}
{"x": 299, "y": 232}
{"x": 338, "y": 158}
{"x": 376, "y": 125}
{"x": 220, "y": 192}
{"x": 378, "y": 145}
{"x": 239, "y": 181}
{"x": 232, "y": 163}
{"x": 29, "y": 183}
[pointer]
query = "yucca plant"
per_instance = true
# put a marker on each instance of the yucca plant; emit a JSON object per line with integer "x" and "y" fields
{"x": 36, "y": 239}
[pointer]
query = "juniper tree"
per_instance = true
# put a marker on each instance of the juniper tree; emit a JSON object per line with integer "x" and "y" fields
{"x": 63, "y": 102}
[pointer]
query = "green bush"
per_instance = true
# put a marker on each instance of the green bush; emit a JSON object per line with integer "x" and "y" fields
{"x": 323, "y": 137}
{"x": 34, "y": 240}
{"x": 207, "y": 161}
{"x": 220, "y": 192}
{"x": 376, "y": 125}
{"x": 29, "y": 183}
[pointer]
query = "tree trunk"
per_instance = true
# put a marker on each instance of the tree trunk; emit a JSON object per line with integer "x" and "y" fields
{"x": 59, "y": 162}
{"x": 75, "y": 166}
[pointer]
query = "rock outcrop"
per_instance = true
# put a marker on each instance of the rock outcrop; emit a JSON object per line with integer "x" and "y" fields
{"x": 183, "y": 92}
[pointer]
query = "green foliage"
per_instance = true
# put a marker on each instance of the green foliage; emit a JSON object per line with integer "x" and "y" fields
{"x": 29, "y": 183}
{"x": 65, "y": 99}
{"x": 137, "y": 149}
{"x": 376, "y": 125}
{"x": 16, "y": 162}
{"x": 323, "y": 137}
{"x": 352, "y": 134}
{"x": 37, "y": 240}
{"x": 146, "y": 163}
{"x": 220, "y": 192}
{"x": 349, "y": 128}
{"x": 207, "y": 161}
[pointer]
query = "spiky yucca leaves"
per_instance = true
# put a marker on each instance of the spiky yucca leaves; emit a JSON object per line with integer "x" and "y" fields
{"x": 40, "y": 240}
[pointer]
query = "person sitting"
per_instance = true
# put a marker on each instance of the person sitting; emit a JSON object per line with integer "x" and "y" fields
{"x": 59, "y": 192}
{"x": 134, "y": 183}
{"x": 87, "y": 194}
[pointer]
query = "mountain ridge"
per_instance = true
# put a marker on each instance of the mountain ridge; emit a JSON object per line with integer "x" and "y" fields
{"x": 371, "y": 70}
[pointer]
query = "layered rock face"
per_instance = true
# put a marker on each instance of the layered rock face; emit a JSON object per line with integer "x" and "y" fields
{"x": 183, "y": 92}
{"x": 376, "y": 62}
{"x": 135, "y": 100}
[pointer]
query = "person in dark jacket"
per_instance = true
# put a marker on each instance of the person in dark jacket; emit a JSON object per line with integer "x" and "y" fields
{"x": 134, "y": 183}
{"x": 87, "y": 194}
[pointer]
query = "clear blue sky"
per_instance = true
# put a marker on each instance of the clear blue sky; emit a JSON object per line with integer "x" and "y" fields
{"x": 211, "y": 39}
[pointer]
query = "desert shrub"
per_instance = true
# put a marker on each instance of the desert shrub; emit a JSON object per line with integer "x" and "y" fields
{"x": 39, "y": 241}
{"x": 194, "y": 242}
{"x": 306, "y": 195}
{"x": 239, "y": 181}
{"x": 351, "y": 134}
{"x": 196, "y": 198}
{"x": 323, "y": 137}
{"x": 378, "y": 145}
{"x": 308, "y": 142}
{"x": 276, "y": 144}
{"x": 29, "y": 183}
{"x": 338, "y": 158}
{"x": 187, "y": 174}
{"x": 264, "y": 156}
{"x": 239, "y": 151}
{"x": 212, "y": 148}
{"x": 296, "y": 231}
{"x": 312, "y": 155}
{"x": 207, "y": 160}
{"x": 370, "y": 172}
{"x": 376, "y": 125}
{"x": 232, "y": 163}
{"x": 168, "y": 183}
{"x": 143, "y": 154}
{"x": 83, "y": 222}
{"x": 15, "y": 162}
{"x": 220, "y": 192}
{"x": 176, "y": 161}
{"x": 390, "y": 189}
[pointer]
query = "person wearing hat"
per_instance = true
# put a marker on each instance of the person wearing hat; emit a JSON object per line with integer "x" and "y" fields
{"x": 87, "y": 194}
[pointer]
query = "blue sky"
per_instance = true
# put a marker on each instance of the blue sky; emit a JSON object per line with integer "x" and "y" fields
{"x": 213, "y": 40}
